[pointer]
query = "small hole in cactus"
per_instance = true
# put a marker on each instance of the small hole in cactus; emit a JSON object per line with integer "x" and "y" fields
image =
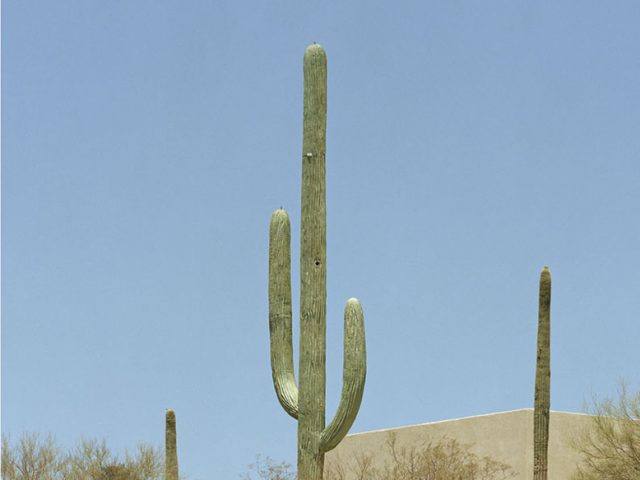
{"x": 317, "y": 262}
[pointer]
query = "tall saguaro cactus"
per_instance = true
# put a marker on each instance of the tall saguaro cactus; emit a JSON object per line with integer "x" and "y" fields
{"x": 306, "y": 401}
{"x": 170, "y": 449}
{"x": 543, "y": 381}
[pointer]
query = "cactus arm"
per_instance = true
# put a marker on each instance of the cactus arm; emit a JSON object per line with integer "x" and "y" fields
{"x": 543, "y": 377}
{"x": 354, "y": 373}
{"x": 280, "y": 312}
{"x": 171, "y": 452}
{"x": 313, "y": 277}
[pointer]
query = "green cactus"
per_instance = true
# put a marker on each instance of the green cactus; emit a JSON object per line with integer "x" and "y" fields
{"x": 543, "y": 380}
{"x": 306, "y": 402}
{"x": 170, "y": 449}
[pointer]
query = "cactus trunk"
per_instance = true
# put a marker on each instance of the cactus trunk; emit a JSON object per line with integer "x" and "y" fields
{"x": 306, "y": 402}
{"x": 170, "y": 449}
{"x": 543, "y": 381}
{"x": 313, "y": 273}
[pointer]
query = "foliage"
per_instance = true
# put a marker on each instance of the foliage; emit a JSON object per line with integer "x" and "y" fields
{"x": 33, "y": 458}
{"x": 267, "y": 469}
{"x": 445, "y": 459}
{"x": 610, "y": 446}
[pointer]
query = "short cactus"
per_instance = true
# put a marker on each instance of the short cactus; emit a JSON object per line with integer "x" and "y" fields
{"x": 306, "y": 402}
{"x": 543, "y": 381}
{"x": 170, "y": 449}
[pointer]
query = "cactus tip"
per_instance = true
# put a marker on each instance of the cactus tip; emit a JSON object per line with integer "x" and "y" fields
{"x": 314, "y": 49}
{"x": 279, "y": 213}
{"x": 353, "y": 305}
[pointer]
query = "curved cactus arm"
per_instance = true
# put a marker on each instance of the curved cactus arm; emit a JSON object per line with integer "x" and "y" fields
{"x": 354, "y": 374}
{"x": 284, "y": 379}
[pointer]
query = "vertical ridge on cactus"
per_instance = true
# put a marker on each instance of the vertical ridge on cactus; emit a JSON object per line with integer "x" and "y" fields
{"x": 306, "y": 401}
{"x": 170, "y": 448}
{"x": 543, "y": 380}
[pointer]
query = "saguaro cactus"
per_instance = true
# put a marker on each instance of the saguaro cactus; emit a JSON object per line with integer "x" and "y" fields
{"x": 170, "y": 449}
{"x": 306, "y": 402}
{"x": 543, "y": 381}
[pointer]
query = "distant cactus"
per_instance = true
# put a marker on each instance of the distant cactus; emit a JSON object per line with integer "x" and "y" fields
{"x": 170, "y": 449}
{"x": 543, "y": 380}
{"x": 307, "y": 402}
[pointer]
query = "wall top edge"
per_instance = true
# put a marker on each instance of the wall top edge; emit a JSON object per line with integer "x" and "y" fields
{"x": 506, "y": 412}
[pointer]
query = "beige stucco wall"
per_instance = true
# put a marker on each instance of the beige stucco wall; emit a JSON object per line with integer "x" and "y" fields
{"x": 506, "y": 436}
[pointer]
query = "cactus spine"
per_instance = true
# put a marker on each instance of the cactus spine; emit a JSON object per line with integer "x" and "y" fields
{"x": 170, "y": 449}
{"x": 306, "y": 402}
{"x": 543, "y": 380}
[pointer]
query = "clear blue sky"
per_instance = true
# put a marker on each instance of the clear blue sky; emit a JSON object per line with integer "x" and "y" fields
{"x": 146, "y": 143}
